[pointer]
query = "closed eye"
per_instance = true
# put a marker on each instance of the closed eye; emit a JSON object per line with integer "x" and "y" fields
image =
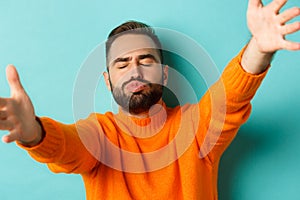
{"x": 147, "y": 65}
{"x": 122, "y": 66}
{"x": 147, "y": 62}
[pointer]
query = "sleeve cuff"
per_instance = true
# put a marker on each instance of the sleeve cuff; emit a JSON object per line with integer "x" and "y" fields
{"x": 236, "y": 78}
{"x": 51, "y": 144}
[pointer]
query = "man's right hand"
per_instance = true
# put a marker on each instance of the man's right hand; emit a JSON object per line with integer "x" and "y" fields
{"x": 17, "y": 113}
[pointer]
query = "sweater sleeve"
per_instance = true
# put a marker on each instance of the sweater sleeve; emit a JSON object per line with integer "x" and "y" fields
{"x": 225, "y": 107}
{"x": 63, "y": 148}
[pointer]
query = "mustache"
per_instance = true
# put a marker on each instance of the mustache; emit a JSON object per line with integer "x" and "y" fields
{"x": 135, "y": 79}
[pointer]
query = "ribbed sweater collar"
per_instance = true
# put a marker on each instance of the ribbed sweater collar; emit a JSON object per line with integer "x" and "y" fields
{"x": 143, "y": 127}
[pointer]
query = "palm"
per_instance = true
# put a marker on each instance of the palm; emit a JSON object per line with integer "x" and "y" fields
{"x": 269, "y": 27}
{"x": 17, "y": 112}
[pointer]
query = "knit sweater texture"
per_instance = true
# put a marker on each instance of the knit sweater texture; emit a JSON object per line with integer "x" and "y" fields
{"x": 173, "y": 154}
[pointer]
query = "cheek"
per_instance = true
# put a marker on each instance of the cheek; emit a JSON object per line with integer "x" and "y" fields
{"x": 154, "y": 76}
{"x": 117, "y": 80}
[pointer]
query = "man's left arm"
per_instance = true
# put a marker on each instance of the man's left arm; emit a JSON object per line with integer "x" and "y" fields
{"x": 243, "y": 75}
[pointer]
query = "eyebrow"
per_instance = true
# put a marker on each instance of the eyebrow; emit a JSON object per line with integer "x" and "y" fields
{"x": 122, "y": 60}
{"x": 140, "y": 57}
{"x": 144, "y": 56}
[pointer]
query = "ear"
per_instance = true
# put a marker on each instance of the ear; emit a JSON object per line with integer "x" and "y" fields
{"x": 166, "y": 74}
{"x": 106, "y": 79}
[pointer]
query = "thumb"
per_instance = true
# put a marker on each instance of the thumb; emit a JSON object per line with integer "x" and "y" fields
{"x": 13, "y": 80}
{"x": 254, "y": 4}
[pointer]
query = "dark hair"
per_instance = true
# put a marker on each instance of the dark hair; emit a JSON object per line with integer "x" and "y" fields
{"x": 133, "y": 27}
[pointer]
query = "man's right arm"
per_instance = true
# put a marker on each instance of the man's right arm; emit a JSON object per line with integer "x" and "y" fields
{"x": 46, "y": 140}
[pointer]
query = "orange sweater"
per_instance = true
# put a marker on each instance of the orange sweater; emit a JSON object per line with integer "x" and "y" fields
{"x": 121, "y": 157}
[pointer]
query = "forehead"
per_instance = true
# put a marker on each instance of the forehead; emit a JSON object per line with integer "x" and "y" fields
{"x": 130, "y": 43}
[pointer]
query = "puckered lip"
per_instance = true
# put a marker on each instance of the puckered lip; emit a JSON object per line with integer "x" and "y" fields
{"x": 135, "y": 86}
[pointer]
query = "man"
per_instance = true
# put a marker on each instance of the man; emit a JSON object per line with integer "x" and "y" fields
{"x": 144, "y": 124}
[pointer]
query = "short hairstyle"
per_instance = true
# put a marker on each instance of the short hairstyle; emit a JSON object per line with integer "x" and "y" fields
{"x": 133, "y": 27}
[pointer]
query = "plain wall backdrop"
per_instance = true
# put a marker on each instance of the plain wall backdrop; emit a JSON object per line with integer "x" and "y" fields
{"x": 49, "y": 40}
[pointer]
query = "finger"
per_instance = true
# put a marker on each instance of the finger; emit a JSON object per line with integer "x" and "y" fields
{"x": 254, "y": 3}
{"x": 5, "y": 125}
{"x": 3, "y": 102}
{"x": 289, "y": 14}
{"x": 289, "y": 45}
{"x": 13, "y": 80}
{"x": 3, "y": 115}
{"x": 10, "y": 138}
{"x": 291, "y": 28}
{"x": 276, "y": 5}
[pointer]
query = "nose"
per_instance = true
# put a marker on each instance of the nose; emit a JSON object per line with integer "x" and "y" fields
{"x": 136, "y": 70}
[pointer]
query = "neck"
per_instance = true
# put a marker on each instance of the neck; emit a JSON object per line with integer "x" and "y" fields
{"x": 152, "y": 111}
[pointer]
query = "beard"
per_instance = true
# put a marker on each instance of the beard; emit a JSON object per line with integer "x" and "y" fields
{"x": 138, "y": 102}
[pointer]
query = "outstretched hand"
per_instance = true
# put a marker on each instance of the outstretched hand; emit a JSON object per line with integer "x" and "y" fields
{"x": 269, "y": 27}
{"x": 17, "y": 113}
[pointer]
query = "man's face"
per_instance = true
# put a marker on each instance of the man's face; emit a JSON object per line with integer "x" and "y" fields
{"x": 136, "y": 77}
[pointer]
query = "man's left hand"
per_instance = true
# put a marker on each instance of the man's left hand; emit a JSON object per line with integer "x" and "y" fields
{"x": 269, "y": 27}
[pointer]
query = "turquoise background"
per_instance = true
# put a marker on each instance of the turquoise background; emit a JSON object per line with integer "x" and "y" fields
{"x": 49, "y": 40}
